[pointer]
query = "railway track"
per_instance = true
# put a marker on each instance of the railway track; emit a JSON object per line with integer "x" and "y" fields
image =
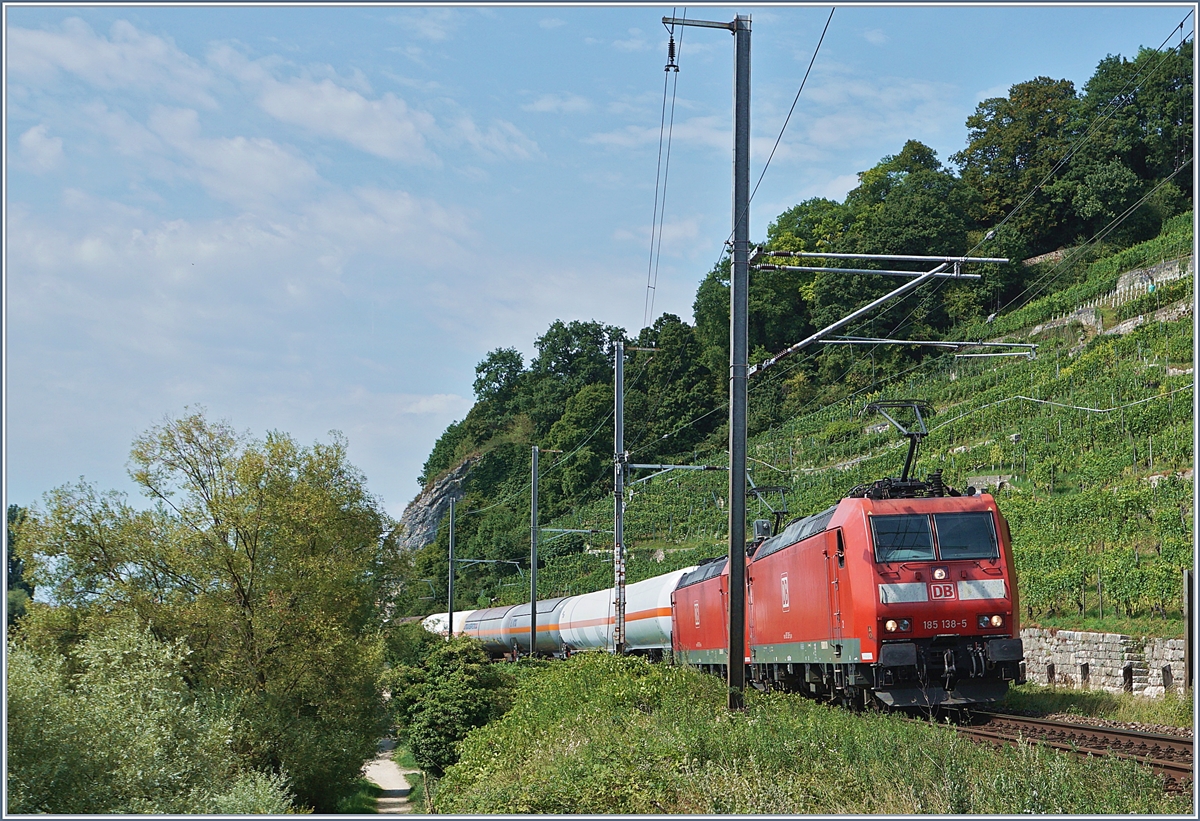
{"x": 1168, "y": 755}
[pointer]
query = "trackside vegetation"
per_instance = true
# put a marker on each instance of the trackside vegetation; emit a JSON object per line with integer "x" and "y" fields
{"x": 597, "y": 734}
{"x": 1172, "y": 710}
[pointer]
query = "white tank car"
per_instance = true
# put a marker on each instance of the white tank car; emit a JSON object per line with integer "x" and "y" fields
{"x": 499, "y": 629}
{"x": 586, "y": 622}
{"x": 437, "y": 622}
{"x": 549, "y": 640}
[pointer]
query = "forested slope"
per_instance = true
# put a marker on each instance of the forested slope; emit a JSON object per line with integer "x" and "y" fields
{"x": 1101, "y": 174}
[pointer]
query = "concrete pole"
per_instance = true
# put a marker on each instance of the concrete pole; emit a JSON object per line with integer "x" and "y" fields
{"x": 450, "y": 583}
{"x": 738, "y": 356}
{"x": 533, "y": 542}
{"x": 619, "y": 502}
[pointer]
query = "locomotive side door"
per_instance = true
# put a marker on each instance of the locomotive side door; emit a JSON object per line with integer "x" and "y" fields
{"x": 750, "y": 612}
{"x": 835, "y": 561}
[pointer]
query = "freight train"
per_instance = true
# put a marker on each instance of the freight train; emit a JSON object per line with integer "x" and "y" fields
{"x": 902, "y": 594}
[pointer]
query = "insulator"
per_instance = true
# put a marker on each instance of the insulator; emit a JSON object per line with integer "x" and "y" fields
{"x": 671, "y": 55}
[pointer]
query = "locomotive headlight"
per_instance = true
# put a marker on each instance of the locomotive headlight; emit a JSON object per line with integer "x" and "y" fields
{"x": 905, "y": 625}
{"x": 940, "y": 573}
{"x": 891, "y": 626}
{"x": 997, "y": 621}
{"x": 984, "y": 621}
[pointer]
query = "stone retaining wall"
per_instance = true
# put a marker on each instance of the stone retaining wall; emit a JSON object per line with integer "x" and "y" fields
{"x": 1103, "y": 661}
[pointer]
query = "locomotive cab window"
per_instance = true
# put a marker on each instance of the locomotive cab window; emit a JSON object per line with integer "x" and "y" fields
{"x": 902, "y": 538}
{"x": 966, "y": 535}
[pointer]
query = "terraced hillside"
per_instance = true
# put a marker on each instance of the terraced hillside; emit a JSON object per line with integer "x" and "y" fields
{"x": 1088, "y": 446}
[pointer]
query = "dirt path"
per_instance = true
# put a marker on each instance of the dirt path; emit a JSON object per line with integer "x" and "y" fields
{"x": 390, "y": 777}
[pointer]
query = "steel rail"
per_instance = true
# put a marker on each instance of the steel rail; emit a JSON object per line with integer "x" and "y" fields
{"x": 1168, "y": 755}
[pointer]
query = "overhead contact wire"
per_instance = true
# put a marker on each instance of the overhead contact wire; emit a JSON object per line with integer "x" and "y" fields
{"x": 652, "y": 290}
{"x": 661, "y": 175}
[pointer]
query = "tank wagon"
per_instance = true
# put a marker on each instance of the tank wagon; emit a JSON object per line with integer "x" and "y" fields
{"x": 903, "y": 594}
{"x": 574, "y": 623}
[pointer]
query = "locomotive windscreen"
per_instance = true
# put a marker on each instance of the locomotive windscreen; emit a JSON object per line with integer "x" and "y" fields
{"x": 902, "y": 538}
{"x": 909, "y": 537}
{"x": 966, "y": 535}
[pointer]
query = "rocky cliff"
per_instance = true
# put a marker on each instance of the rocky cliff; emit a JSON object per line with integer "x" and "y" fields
{"x": 419, "y": 524}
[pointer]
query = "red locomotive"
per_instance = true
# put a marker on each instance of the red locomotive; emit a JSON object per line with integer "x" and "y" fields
{"x": 903, "y": 593}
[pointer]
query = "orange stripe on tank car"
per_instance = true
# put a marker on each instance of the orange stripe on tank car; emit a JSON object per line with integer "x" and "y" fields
{"x": 654, "y": 613}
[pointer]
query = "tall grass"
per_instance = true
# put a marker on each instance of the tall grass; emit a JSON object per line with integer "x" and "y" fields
{"x": 598, "y": 734}
{"x": 363, "y": 801}
{"x": 1173, "y": 710}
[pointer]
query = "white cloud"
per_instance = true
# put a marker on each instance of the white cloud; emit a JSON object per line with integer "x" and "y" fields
{"x": 246, "y": 172}
{"x": 502, "y": 140}
{"x": 712, "y": 131}
{"x": 636, "y": 42}
{"x": 430, "y": 24}
{"x": 994, "y": 91}
{"x": 875, "y": 37}
{"x": 128, "y": 137}
{"x": 844, "y": 110}
{"x": 39, "y": 152}
{"x": 677, "y": 235}
{"x": 559, "y": 103}
{"x": 385, "y": 127}
{"x": 127, "y": 59}
{"x": 837, "y": 188}
{"x": 551, "y": 23}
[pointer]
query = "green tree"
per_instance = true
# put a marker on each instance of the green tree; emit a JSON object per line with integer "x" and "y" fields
{"x": 570, "y": 356}
{"x": 265, "y": 557}
{"x": 1146, "y": 105}
{"x": 906, "y": 204}
{"x": 497, "y": 376}
{"x": 18, "y": 591}
{"x": 584, "y": 433}
{"x": 670, "y": 392}
{"x": 446, "y": 453}
{"x": 1013, "y": 144}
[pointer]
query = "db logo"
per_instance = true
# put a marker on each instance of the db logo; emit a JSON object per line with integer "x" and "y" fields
{"x": 941, "y": 591}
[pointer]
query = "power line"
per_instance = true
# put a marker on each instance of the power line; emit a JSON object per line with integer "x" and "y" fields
{"x": 1062, "y": 405}
{"x": 788, "y": 119}
{"x": 658, "y": 217}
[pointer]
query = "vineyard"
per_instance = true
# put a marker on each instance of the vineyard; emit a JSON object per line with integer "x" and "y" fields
{"x": 1088, "y": 447}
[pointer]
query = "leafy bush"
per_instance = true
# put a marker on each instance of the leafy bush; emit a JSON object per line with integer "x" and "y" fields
{"x": 456, "y": 690}
{"x": 841, "y": 430}
{"x": 124, "y": 735}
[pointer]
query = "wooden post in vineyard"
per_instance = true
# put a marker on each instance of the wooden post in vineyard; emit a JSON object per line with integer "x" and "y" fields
{"x": 1189, "y": 629}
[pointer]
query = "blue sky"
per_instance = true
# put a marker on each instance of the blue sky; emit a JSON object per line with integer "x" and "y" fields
{"x": 317, "y": 218}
